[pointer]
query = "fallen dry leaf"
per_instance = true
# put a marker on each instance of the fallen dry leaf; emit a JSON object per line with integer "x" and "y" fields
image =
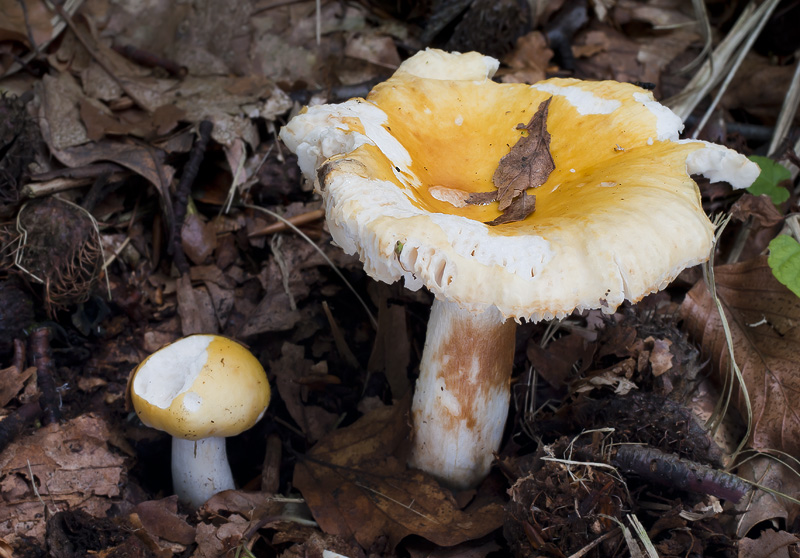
{"x": 518, "y": 208}
{"x": 526, "y": 165}
{"x": 391, "y": 351}
{"x": 771, "y": 544}
{"x": 357, "y": 486}
{"x": 213, "y": 541}
{"x": 12, "y": 380}
{"x": 73, "y": 467}
{"x": 289, "y": 370}
{"x": 160, "y": 518}
{"x": 763, "y": 316}
{"x": 373, "y": 48}
{"x": 17, "y": 23}
{"x": 762, "y": 507}
{"x": 199, "y": 239}
{"x": 759, "y": 208}
{"x": 759, "y": 88}
{"x": 195, "y": 308}
{"x": 555, "y": 362}
{"x": 529, "y": 59}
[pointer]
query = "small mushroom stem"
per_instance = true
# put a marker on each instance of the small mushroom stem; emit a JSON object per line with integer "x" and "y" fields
{"x": 462, "y": 394}
{"x": 200, "y": 469}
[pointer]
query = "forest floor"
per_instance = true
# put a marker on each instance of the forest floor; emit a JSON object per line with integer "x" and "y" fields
{"x": 609, "y": 448}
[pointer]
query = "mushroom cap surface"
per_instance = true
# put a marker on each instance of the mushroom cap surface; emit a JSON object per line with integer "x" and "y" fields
{"x": 200, "y": 386}
{"x": 618, "y": 218}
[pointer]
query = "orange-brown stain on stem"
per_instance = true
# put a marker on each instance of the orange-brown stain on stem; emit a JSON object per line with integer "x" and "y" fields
{"x": 492, "y": 351}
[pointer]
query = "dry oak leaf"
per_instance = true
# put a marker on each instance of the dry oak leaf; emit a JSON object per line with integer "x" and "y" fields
{"x": 356, "y": 487}
{"x": 764, "y": 319}
{"x": 529, "y": 60}
{"x": 72, "y": 466}
{"x": 771, "y": 544}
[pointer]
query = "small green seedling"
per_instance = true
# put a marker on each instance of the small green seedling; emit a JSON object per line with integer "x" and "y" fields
{"x": 784, "y": 260}
{"x": 772, "y": 174}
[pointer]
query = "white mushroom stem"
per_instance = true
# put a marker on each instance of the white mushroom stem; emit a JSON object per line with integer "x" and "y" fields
{"x": 462, "y": 394}
{"x": 200, "y": 469}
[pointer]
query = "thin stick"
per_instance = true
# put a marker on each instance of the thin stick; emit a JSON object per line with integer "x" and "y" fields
{"x": 338, "y": 338}
{"x": 763, "y": 13}
{"x": 43, "y": 360}
{"x": 301, "y": 219}
{"x": 594, "y": 543}
{"x": 788, "y": 110}
{"x": 401, "y": 504}
{"x": 184, "y": 190}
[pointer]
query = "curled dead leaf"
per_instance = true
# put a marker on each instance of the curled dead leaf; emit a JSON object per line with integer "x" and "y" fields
{"x": 763, "y": 316}
{"x": 357, "y": 485}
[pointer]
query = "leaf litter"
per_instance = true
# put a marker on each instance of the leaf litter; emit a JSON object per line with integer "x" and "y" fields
{"x": 113, "y": 108}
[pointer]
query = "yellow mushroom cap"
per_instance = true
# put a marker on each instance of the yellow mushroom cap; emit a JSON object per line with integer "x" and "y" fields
{"x": 618, "y": 218}
{"x": 200, "y": 386}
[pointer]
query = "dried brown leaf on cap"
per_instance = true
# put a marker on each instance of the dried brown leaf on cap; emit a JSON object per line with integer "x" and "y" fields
{"x": 527, "y": 165}
{"x": 519, "y": 207}
{"x": 357, "y": 485}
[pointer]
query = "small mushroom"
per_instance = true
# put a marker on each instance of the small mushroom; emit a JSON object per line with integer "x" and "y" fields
{"x": 618, "y": 218}
{"x": 200, "y": 389}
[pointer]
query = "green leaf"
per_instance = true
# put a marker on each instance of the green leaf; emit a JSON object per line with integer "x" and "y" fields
{"x": 784, "y": 260}
{"x": 772, "y": 174}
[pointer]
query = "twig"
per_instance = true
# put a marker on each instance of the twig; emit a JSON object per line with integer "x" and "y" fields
{"x": 86, "y": 171}
{"x": 594, "y": 543}
{"x": 762, "y": 16}
{"x": 670, "y": 470}
{"x": 28, "y": 29}
{"x": 43, "y": 361}
{"x": 270, "y": 472}
{"x": 151, "y": 60}
{"x": 19, "y": 354}
{"x": 338, "y": 338}
{"x": 788, "y": 111}
{"x": 43, "y": 189}
{"x": 184, "y": 190}
{"x": 297, "y": 220}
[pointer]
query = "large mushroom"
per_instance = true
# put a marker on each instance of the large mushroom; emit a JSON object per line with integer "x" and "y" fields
{"x": 618, "y": 218}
